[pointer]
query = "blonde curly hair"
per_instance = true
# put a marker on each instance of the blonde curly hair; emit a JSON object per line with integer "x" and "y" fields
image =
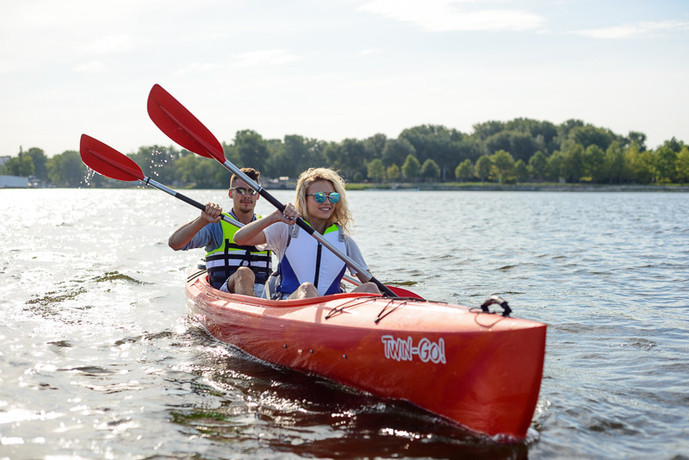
{"x": 341, "y": 216}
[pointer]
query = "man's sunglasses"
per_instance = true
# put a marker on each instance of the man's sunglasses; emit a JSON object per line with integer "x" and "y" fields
{"x": 320, "y": 197}
{"x": 245, "y": 191}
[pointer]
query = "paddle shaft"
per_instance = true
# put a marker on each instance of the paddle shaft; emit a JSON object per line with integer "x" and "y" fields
{"x": 148, "y": 181}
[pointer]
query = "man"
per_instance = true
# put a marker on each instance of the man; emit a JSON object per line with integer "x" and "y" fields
{"x": 231, "y": 268}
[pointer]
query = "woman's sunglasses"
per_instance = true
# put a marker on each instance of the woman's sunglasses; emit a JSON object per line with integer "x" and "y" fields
{"x": 245, "y": 191}
{"x": 320, "y": 197}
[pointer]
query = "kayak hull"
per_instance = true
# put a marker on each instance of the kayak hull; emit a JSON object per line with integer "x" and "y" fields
{"x": 479, "y": 370}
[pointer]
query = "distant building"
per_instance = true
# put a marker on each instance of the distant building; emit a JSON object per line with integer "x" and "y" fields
{"x": 14, "y": 182}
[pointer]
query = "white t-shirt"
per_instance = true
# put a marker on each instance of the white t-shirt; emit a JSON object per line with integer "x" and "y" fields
{"x": 277, "y": 236}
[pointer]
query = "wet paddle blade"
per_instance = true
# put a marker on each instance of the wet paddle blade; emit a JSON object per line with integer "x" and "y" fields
{"x": 182, "y": 126}
{"x": 107, "y": 161}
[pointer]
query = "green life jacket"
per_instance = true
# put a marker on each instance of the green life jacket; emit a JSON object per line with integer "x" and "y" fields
{"x": 225, "y": 260}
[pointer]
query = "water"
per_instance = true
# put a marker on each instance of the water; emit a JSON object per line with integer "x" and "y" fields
{"x": 99, "y": 360}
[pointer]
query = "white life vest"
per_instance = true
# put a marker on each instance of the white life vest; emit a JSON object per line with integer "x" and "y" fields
{"x": 306, "y": 259}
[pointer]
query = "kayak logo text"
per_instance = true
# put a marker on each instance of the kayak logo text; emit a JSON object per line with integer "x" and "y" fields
{"x": 404, "y": 350}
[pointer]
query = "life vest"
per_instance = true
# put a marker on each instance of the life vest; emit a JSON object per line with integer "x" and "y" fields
{"x": 225, "y": 260}
{"x": 306, "y": 259}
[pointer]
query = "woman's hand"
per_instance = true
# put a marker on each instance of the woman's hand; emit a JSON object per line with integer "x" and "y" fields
{"x": 289, "y": 215}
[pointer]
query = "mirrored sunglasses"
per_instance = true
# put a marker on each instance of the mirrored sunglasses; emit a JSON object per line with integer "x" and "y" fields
{"x": 245, "y": 191}
{"x": 320, "y": 197}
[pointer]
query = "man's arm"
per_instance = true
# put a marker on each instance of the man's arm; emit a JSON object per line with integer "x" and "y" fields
{"x": 186, "y": 232}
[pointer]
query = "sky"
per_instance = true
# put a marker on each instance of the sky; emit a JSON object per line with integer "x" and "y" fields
{"x": 338, "y": 69}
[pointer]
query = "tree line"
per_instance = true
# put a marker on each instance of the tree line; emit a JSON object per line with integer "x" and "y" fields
{"x": 520, "y": 150}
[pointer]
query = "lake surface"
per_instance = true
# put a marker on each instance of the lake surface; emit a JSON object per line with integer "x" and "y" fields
{"x": 99, "y": 360}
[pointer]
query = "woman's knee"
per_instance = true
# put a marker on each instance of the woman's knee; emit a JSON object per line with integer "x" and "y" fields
{"x": 305, "y": 291}
{"x": 368, "y": 287}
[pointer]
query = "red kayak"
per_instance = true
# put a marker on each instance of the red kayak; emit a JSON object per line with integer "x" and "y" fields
{"x": 480, "y": 370}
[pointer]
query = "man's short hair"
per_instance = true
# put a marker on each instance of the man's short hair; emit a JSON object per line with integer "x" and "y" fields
{"x": 251, "y": 172}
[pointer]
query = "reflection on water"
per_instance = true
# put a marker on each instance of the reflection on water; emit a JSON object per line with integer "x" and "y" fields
{"x": 98, "y": 357}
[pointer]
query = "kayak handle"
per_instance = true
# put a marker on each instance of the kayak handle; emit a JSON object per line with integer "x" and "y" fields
{"x": 496, "y": 300}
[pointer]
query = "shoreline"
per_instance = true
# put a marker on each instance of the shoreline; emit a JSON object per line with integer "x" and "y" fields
{"x": 488, "y": 187}
{"x": 450, "y": 186}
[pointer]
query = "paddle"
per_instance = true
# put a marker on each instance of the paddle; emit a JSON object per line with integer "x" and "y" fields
{"x": 184, "y": 128}
{"x": 111, "y": 163}
{"x": 400, "y": 292}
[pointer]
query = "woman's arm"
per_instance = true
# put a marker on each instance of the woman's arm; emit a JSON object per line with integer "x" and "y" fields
{"x": 252, "y": 234}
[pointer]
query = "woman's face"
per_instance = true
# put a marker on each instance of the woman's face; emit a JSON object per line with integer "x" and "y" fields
{"x": 315, "y": 209}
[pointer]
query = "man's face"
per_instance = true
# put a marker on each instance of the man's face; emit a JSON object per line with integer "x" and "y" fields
{"x": 246, "y": 202}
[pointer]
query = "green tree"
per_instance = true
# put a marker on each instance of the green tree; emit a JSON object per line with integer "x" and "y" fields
{"x": 21, "y": 165}
{"x": 664, "y": 164}
{"x": 374, "y": 145}
{"x": 464, "y": 171}
{"x": 200, "y": 173}
{"x": 519, "y": 145}
{"x": 542, "y": 133}
{"x": 376, "y": 170}
{"x": 682, "y": 165}
{"x": 594, "y": 164}
{"x": 573, "y": 164}
{"x": 303, "y": 153}
{"x": 614, "y": 163}
{"x": 554, "y": 166}
{"x": 674, "y": 144}
{"x": 503, "y": 166}
{"x": 393, "y": 172}
{"x": 488, "y": 128}
{"x": 538, "y": 165}
{"x": 66, "y": 169}
{"x": 411, "y": 168}
{"x": 334, "y": 156}
{"x": 483, "y": 167}
{"x": 639, "y": 164}
{"x": 185, "y": 169}
{"x": 40, "y": 163}
{"x": 590, "y": 135}
{"x": 637, "y": 138}
{"x": 564, "y": 129}
{"x": 521, "y": 172}
{"x": 469, "y": 148}
{"x": 157, "y": 161}
{"x": 430, "y": 170}
{"x": 251, "y": 149}
{"x": 435, "y": 142}
{"x": 396, "y": 151}
{"x": 353, "y": 161}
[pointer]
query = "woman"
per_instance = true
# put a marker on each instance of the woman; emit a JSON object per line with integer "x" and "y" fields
{"x": 305, "y": 268}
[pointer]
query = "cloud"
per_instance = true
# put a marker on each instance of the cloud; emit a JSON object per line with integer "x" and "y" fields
{"x": 264, "y": 58}
{"x": 453, "y": 15}
{"x": 632, "y": 30}
{"x": 91, "y": 67}
{"x": 369, "y": 51}
{"x": 259, "y": 58}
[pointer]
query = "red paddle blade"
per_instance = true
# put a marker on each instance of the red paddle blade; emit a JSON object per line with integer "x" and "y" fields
{"x": 107, "y": 161}
{"x": 181, "y": 125}
{"x": 401, "y": 292}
